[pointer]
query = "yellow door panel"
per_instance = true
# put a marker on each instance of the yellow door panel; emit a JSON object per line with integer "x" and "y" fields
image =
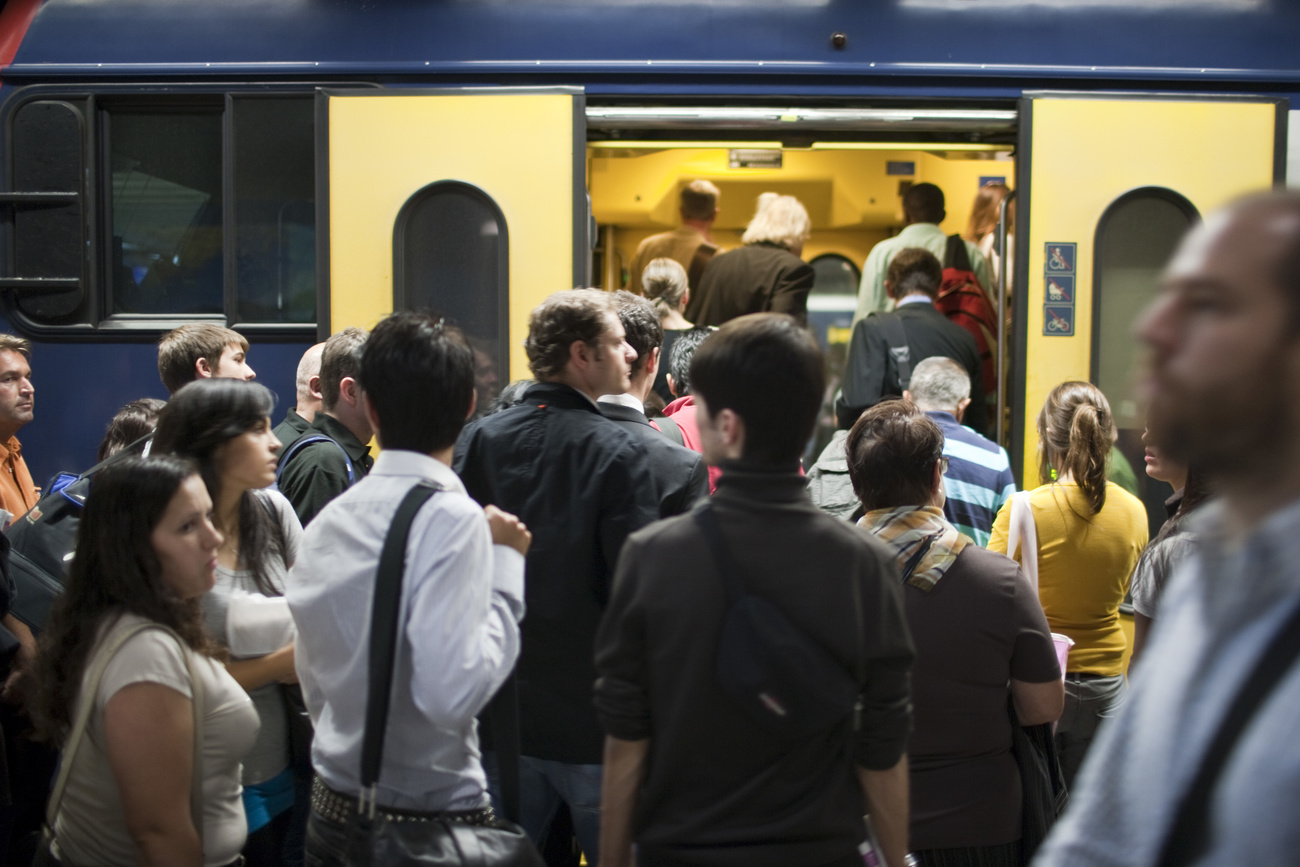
{"x": 518, "y": 148}
{"x": 1087, "y": 152}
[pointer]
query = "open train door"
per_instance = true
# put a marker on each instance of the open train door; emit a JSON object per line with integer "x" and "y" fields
{"x": 1106, "y": 188}
{"x": 469, "y": 202}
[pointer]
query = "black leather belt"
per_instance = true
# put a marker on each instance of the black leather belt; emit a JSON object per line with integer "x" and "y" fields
{"x": 339, "y": 809}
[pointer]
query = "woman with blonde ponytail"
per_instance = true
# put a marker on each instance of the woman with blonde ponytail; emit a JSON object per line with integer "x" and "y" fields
{"x": 665, "y": 284}
{"x": 1090, "y": 533}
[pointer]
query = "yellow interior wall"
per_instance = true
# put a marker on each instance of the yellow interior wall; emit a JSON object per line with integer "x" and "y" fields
{"x": 1209, "y": 152}
{"x": 852, "y": 202}
{"x": 384, "y": 148}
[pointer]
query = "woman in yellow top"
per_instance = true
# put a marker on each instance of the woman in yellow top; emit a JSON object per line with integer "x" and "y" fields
{"x": 1090, "y": 534}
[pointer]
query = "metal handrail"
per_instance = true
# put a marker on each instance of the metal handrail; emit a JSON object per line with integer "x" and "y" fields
{"x": 1001, "y": 244}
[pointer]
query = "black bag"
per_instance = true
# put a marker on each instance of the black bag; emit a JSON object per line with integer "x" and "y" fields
{"x": 373, "y": 837}
{"x": 782, "y": 679}
{"x": 1042, "y": 783}
{"x": 42, "y": 540}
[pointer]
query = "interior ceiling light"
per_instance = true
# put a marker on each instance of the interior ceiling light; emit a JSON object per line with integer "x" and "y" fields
{"x": 760, "y": 117}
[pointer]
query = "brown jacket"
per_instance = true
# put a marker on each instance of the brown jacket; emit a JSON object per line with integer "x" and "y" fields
{"x": 684, "y": 244}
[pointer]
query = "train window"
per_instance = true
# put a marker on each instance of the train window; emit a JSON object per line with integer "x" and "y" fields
{"x": 1135, "y": 238}
{"x": 835, "y": 275}
{"x": 451, "y": 257}
{"x": 275, "y": 210}
{"x": 133, "y": 211}
{"x": 164, "y": 195}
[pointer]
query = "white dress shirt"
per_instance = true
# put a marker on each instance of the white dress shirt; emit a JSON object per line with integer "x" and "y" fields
{"x": 462, "y": 600}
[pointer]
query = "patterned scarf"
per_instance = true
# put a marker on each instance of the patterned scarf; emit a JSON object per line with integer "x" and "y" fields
{"x": 921, "y": 539}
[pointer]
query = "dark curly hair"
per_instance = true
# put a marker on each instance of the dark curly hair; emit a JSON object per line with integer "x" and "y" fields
{"x": 115, "y": 571}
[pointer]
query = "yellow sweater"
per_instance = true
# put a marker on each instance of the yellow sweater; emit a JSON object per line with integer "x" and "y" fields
{"x": 1084, "y": 565}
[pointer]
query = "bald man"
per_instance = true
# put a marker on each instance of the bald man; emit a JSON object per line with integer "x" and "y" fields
{"x": 297, "y": 420}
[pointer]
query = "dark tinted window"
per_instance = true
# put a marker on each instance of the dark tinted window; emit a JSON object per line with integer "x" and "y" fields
{"x": 165, "y": 201}
{"x": 275, "y": 210}
{"x": 451, "y": 257}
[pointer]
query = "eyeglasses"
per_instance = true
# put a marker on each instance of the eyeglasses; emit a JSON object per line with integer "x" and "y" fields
{"x": 943, "y": 466}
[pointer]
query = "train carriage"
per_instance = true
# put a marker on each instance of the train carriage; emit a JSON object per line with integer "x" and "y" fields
{"x": 292, "y": 167}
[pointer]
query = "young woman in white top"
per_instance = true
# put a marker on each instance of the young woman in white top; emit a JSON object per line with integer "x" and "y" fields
{"x": 146, "y": 552}
{"x": 224, "y": 426}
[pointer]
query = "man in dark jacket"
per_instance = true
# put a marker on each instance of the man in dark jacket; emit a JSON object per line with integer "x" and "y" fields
{"x": 765, "y": 275}
{"x": 718, "y": 787}
{"x": 913, "y": 332}
{"x": 679, "y": 475}
{"x": 313, "y": 474}
{"x": 582, "y": 485}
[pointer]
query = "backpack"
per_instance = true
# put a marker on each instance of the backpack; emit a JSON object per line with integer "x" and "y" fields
{"x": 302, "y": 442}
{"x": 43, "y": 540}
{"x": 964, "y": 301}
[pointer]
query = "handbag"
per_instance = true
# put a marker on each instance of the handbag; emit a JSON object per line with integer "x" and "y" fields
{"x": 1042, "y": 783}
{"x": 373, "y": 836}
{"x": 45, "y": 850}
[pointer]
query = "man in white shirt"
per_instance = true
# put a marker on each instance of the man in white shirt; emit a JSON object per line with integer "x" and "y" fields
{"x": 462, "y": 598}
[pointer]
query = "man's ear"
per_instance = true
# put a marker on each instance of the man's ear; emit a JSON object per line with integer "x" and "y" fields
{"x": 350, "y": 391}
{"x": 473, "y": 405}
{"x": 580, "y": 354}
{"x": 907, "y": 396}
{"x": 652, "y": 366}
{"x": 313, "y": 386}
{"x": 202, "y": 369}
{"x": 961, "y": 407}
{"x": 889, "y": 289}
{"x": 672, "y": 385}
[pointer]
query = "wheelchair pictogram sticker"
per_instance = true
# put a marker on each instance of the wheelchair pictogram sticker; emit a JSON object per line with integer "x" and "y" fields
{"x": 1061, "y": 257}
{"x": 1058, "y": 320}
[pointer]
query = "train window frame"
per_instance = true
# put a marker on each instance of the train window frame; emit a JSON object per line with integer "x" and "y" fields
{"x": 401, "y": 226}
{"x": 94, "y": 104}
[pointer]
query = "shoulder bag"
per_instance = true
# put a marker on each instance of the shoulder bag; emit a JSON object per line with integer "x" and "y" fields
{"x": 375, "y": 837}
{"x": 45, "y": 852}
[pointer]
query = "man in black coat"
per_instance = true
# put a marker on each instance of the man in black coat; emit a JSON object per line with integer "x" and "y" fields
{"x": 679, "y": 474}
{"x": 582, "y": 485}
{"x": 873, "y": 369}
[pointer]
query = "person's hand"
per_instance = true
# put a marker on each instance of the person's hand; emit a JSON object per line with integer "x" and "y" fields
{"x": 508, "y": 530}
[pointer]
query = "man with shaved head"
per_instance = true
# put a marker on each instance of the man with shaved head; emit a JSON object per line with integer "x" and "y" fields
{"x": 307, "y": 385}
{"x": 1202, "y": 764}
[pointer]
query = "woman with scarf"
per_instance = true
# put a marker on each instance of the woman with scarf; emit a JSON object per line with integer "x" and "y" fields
{"x": 976, "y": 624}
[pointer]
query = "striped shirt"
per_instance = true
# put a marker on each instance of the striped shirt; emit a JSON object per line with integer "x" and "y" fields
{"x": 978, "y": 480}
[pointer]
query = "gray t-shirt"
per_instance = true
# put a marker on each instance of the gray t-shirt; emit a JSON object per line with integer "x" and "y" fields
{"x": 1157, "y": 563}
{"x": 91, "y": 826}
{"x": 270, "y": 754}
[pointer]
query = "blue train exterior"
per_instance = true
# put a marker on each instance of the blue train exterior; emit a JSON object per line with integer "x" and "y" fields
{"x": 859, "y": 52}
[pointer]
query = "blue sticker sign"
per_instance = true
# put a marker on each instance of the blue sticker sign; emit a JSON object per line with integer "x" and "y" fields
{"x": 1059, "y": 289}
{"x": 907, "y": 168}
{"x": 1058, "y": 320}
{"x": 1061, "y": 257}
{"x": 985, "y": 180}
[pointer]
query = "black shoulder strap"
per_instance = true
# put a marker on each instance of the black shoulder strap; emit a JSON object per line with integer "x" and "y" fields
{"x": 891, "y": 325}
{"x": 1188, "y": 835}
{"x": 723, "y": 561}
{"x": 956, "y": 256}
{"x": 311, "y": 439}
{"x": 670, "y": 429}
{"x": 384, "y": 629}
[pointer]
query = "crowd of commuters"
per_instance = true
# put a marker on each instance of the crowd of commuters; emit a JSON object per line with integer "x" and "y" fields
{"x": 600, "y": 640}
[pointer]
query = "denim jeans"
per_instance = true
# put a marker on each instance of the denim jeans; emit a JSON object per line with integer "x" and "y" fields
{"x": 543, "y": 785}
{"x": 327, "y": 843}
{"x": 1089, "y": 699}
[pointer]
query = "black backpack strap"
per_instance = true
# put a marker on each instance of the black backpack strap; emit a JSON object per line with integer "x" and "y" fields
{"x": 384, "y": 630}
{"x": 723, "y": 561}
{"x": 670, "y": 429}
{"x": 956, "y": 256}
{"x": 891, "y": 324}
{"x": 1188, "y": 834}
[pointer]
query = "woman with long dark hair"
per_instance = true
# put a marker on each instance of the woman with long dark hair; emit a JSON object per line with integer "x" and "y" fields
{"x": 146, "y": 553}
{"x": 224, "y": 426}
{"x": 1088, "y": 535}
